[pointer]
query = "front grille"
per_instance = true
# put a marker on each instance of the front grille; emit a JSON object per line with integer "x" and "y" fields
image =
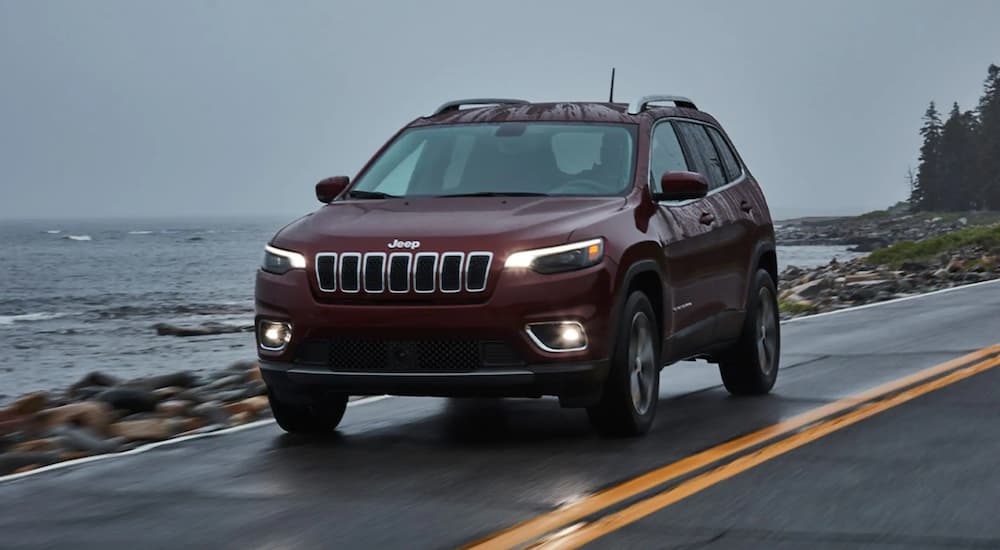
{"x": 377, "y": 355}
{"x": 376, "y": 273}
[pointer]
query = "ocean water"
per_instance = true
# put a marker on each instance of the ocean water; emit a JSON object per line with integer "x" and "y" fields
{"x": 83, "y": 296}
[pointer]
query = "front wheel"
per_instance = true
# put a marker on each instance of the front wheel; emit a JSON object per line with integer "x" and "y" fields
{"x": 632, "y": 389}
{"x": 309, "y": 419}
{"x": 751, "y": 366}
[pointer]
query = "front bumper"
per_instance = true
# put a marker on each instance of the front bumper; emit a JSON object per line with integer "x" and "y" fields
{"x": 309, "y": 383}
{"x": 500, "y": 314}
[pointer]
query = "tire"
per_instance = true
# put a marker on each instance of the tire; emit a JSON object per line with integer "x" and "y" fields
{"x": 309, "y": 419}
{"x": 631, "y": 391}
{"x": 751, "y": 366}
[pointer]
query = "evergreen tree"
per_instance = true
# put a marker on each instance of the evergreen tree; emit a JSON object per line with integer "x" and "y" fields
{"x": 927, "y": 191}
{"x": 989, "y": 140}
{"x": 958, "y": 159}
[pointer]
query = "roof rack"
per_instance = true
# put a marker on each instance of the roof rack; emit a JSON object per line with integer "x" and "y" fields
{"x": 458, "y": 103}
{"x": 639, "y": 105}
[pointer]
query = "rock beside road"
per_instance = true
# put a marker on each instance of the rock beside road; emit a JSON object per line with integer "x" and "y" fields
{"x": 839, "y": 285}
{"x": 103, "y": 414}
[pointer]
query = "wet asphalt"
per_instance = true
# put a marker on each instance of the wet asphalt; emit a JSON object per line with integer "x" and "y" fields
{"x": 432, "y": 473}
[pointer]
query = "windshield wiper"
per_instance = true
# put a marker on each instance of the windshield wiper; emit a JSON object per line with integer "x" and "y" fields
{"x": 359, "y": 194}
{"x": 497, "y": 194}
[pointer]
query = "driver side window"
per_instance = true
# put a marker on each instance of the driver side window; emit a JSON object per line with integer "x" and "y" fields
{"x": 665, "y": 154}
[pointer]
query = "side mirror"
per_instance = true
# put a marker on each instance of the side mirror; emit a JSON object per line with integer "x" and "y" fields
{"x": 680, "y": 186}
{"x": 328, "y": 189}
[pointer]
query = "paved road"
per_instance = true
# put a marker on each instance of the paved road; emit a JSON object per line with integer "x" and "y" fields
{"x": 416, "y": 473}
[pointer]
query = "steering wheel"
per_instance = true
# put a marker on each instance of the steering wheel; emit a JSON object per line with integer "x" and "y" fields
{"x": 586, "y": 184}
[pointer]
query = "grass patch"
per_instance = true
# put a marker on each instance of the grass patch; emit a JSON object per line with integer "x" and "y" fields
{"x": 927, "y": 249}
{"x": 795, "y": 308}
{"x": 874, "y": 215}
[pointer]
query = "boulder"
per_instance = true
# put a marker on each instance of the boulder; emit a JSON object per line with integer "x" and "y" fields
{"x": 226, "y": 381}
{"x": 81, "y": 439}
{"x": 12, "y": 462}
{"x": 240, "y": 418}
{"x": 29, "y": 404}
{"x": 913, "y": 267}
{"x": 253, "y": 375}
{"x": 168, "y": 392}
{"x": 955, "y": 265}
{"x": 95, "y": 378}
{"x": 94, "y": 415}
{"x": 173, "y": 407}
{"x": 13, "y": 425}
{"x": 253, "y": 406}
{"x": 181, "y": 379}
{"x": 131, "y": 400}
{"x": 241, "y": 366}
{"x": 152, "y": 429}
{"x": 36, "y": 445}
{"x": 212, "y": 411}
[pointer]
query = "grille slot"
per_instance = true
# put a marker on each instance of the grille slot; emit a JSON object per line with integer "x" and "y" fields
{"x": 350, "y": 272}
{"x": 439, "y": 355}
{"x": 451, "y": 272}
{"x": 374, "y": 272}
{"x": 326, "y": 272}
{"x": 399, "y": 272}
{"x": 477, "y": 269}
{"x": 424, "y": 270}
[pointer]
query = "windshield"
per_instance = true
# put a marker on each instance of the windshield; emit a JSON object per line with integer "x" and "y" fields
{"x": 511, "y": 158}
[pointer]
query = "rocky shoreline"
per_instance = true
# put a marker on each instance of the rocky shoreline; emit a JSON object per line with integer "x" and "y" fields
{"x": 840, "y": 285}
{"x": 913, "y": 253}
{"x": 102, "y": 414}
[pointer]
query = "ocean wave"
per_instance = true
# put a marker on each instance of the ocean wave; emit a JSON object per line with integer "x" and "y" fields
{"x": 140, "y": 232}
{"x": 6, "y": 320}
{"x": 54, "y": 231}
{"x": 78, "y": 237}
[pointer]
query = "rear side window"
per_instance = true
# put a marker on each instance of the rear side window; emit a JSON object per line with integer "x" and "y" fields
{"x": 665, "y": 154}
{"x": 703, "y": 154}
{"x": 729, "y": 161}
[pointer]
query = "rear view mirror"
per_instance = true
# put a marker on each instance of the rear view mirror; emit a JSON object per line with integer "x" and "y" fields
{"x": 328, "y": 189}
{"x": 679, "y": 186}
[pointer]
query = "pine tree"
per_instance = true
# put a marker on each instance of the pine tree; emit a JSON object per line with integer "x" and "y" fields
{"x": 988, "y": 150}
{"x": 927, "y": 192}
{"x": 958, "y": 159}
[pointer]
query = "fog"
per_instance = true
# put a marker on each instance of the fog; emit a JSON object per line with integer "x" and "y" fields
{"x": 127, "y": 109}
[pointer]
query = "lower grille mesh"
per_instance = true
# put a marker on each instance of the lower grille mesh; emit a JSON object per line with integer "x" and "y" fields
{"x": 376, "y": 355}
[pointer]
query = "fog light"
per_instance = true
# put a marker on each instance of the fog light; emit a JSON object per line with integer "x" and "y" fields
{"x": 558, "y": 336}
{"x": 274, "y": 335}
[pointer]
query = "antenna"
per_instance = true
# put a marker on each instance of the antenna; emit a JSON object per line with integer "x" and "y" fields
{"x": 611, "y": 96}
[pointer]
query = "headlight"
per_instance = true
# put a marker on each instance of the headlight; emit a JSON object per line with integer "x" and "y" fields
{"x": 280, "y": 261}
{"x": 556, "y": 259}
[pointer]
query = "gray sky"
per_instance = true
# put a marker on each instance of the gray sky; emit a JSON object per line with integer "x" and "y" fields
{"x": 124, "y": 108}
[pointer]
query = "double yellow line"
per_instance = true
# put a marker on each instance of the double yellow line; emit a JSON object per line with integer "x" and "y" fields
{"x": 563, "y": 528}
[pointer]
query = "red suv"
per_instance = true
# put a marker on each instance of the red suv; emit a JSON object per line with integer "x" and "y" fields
{"x": 504, "y": 248}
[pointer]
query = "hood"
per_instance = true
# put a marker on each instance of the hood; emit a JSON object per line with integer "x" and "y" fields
{"x": 439, "y": 224}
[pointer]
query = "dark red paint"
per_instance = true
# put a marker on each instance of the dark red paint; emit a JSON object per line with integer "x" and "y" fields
{"x": 695, "y": 257}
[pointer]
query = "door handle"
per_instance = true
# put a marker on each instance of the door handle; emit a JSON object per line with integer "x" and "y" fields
{"x": 745, "y": 206}
{"x": 707, "y": 218}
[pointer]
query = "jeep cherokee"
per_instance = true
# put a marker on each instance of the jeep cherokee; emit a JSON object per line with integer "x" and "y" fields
{"x": 503, "y": 248}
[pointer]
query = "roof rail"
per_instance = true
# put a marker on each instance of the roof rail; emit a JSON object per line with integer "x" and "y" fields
{"x": 639, "y": 105}
{"x": 455, "y": 105}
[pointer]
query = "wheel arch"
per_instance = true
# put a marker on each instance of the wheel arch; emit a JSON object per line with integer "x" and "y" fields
{"x": 641, "y": 270}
